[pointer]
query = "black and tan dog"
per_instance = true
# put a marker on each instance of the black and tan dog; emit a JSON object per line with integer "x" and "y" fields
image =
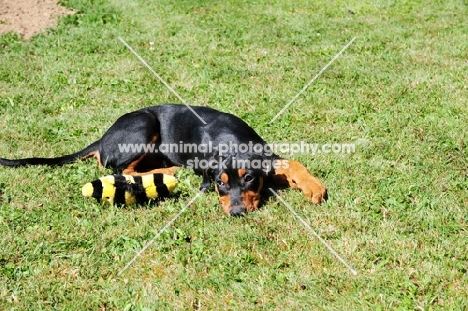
{"x": 161, "y": 138}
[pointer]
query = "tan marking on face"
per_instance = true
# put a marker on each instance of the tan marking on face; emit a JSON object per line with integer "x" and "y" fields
{"x": 241, "y": 172}
{"x": 224, "y": 178}
{"x": 251, "y": 199}
{"x": 226, "y": 203}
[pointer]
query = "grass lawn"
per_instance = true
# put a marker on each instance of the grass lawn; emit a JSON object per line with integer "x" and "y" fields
{"x": 397, "y": 205}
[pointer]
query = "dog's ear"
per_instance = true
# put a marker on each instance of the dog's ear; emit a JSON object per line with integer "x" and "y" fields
{"x": 269, "y": 165}
{"x": 259, "y": 163}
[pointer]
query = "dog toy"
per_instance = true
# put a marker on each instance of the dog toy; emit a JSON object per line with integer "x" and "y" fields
{"x": 127, "y": 190}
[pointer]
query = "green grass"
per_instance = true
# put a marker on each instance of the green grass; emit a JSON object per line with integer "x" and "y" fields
{"x": 397, "y": 206}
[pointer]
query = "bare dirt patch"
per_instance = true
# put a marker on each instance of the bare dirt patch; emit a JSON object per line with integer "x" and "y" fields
{"x": 29, "y": 17}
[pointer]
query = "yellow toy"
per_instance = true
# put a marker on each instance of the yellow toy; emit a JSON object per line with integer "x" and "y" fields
{"x": 126, "y": 189}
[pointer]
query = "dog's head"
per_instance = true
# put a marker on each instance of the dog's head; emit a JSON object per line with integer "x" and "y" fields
{"x": 239, "y": 180}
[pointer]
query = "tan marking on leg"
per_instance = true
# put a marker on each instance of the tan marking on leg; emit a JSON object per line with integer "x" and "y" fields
{"x": 95, "y": 154}
{"x": 293, "y": 174}
{"x": 154, "y": 138}
{"x": 167, "y": 170}
{"x": 130, "y": 170}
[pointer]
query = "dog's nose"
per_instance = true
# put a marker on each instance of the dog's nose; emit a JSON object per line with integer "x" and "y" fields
{"x": 238, "y": 211}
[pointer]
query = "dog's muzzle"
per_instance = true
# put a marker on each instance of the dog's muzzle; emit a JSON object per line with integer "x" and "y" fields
{"x": 238, "y": 211}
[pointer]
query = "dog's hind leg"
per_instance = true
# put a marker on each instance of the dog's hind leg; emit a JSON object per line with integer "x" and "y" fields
{"x": 130, "y": 170}
{"x": 94, "y": 154}
{"x": 129, "y": 140}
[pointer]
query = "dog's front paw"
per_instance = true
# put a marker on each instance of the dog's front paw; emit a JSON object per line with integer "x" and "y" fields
{"x": 313, "y": 189}
{"x": 205, "y": 185}
{"x": 295, "y": 175}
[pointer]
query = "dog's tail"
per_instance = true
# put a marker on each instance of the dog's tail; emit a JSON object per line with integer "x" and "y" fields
{"x": 82, "y": 154}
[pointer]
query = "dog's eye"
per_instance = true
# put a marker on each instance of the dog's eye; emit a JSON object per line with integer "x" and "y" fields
{"x": 248, "y": 178}
{"x": 220, "y": 183}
